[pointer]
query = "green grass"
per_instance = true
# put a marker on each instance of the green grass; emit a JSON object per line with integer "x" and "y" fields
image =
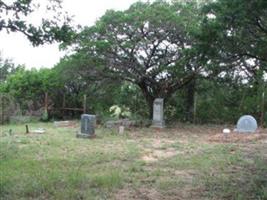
{"x": 57, "y": 165}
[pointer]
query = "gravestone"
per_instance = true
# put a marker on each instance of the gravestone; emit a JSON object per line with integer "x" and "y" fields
{"x": 64, "y": 123}
{"x": 121, "y": 130}
{"x": 247, "y": 124}
{"x": 87, "y": 126}
{"x": 158, "y": 120}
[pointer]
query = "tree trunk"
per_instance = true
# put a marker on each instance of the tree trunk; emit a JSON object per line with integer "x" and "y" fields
{"x": 259, "y": 88}
{"x": 150, "y": 107}
{"x": 190, "y": 97}
{"x": 149, "y": 99}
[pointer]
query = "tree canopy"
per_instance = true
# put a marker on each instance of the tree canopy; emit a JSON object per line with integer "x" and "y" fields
{"x": 238, "y": 30}
{"x": 6, "y": 67}
{"x": 152, "y": 45}
{"x": 15, "y": 17}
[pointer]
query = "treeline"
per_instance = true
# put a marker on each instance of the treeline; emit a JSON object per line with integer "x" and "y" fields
{"x": 207, "y": 60}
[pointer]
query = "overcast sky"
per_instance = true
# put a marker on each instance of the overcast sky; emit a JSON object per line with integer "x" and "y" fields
{"x": 16, "y": 47}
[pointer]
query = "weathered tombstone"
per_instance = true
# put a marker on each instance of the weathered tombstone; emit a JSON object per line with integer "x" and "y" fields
{"x": 121, "y": 130}
{"x": 158, "y": 120}
{"x": 247, "y": 124}
{"x": 87, "y": 126}
{"x": 64, "y": 123}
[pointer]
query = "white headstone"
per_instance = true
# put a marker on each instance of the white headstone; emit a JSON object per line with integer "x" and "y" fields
{"x": 158, "y": 118}
{"x": 247, "y": 124}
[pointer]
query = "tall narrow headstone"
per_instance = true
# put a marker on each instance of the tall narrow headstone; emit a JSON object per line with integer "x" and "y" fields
{"x": 158, "y": 119}
{"x": 247, "y": 124}
{"x": 87, "y": 126}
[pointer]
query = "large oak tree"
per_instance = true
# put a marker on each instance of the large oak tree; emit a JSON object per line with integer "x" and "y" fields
{"x": 152, "y": 45}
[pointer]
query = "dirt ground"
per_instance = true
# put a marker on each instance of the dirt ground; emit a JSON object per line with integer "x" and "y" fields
{"x": 187, "y": 162}
{"x": 160, "y": 148}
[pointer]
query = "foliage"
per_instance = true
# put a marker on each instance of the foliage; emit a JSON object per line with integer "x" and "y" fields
{"x": 78, "y": 77}
{"x": 7, "y": 67}
{"x": 237, "y": 31}
{"x": 45, "y": 116}
{"x": 8, "y": 107}
{"x": 219, "y": 103}
{"x": 151, "y": 45}
{"x": 28, "y": 87}
{"x": 15, "y": 15}
{"x": 119, "y": 112}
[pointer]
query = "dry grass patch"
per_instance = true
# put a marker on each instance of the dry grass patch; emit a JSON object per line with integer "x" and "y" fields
{"x": 181, "y": 162}
{"x": 238, "y": 137}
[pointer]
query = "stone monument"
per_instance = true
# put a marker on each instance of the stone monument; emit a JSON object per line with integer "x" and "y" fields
{"x": 87, "y": 126}
{"x": 158, "y": 120}
{"x": 247, "y": 124}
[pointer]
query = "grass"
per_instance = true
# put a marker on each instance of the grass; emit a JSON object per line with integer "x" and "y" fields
{"x": 142, "y": 164}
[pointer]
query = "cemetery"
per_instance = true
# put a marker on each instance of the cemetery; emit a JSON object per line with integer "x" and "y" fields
{"x": 159, "y": 100}
{"x": 185, "y": 161}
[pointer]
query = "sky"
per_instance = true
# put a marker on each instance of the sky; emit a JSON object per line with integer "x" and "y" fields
{"x": 15, "y": 46}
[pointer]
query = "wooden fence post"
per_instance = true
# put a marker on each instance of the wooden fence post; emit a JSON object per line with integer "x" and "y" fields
{"x": 195, "y": 108}
{"x": 46, "y": 102}
{"x": 63, "y": 102}
{"x": 27, "y": 128}
{"x": 84, "y": 104}
{"x": 262, "y": 110}
{"x": 63, "y": 106}
{"x": 2, "y": 109}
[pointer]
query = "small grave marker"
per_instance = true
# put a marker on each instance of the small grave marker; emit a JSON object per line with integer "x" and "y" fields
{"x": 64, "y": 123}
{"x": 39, "y": 131}
{"x": 121, "y": 130}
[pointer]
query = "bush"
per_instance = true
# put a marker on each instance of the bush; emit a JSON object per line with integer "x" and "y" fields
{"x": 8, "y": 107}
{"x": 45, "y": 116}
{"x": 120, "y": 112}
